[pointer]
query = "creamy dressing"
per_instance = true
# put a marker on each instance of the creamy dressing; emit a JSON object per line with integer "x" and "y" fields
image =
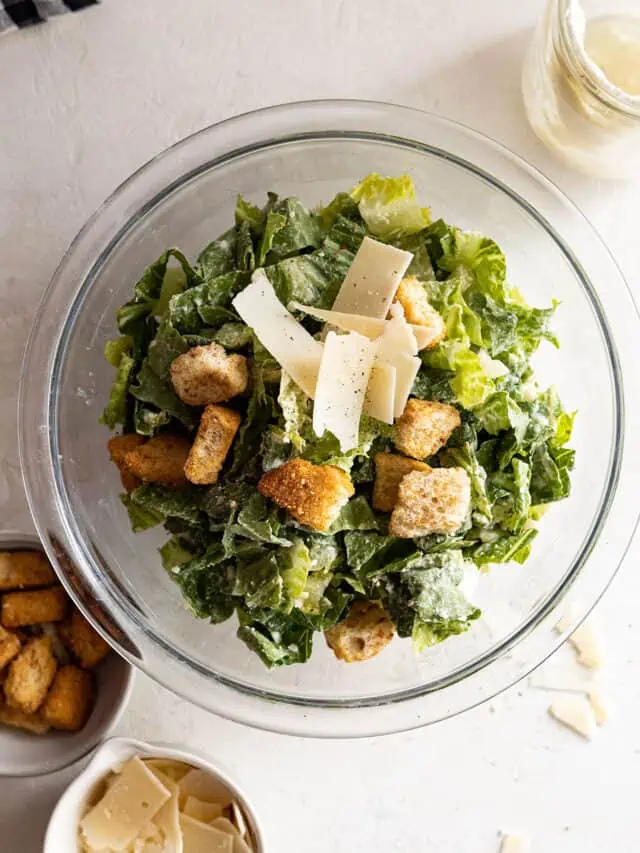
{"x": 582, "y": 89}
{"x": 613, "y": 45}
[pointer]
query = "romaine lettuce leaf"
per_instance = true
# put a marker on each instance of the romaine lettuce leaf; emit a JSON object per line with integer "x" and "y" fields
{"x": 389, "y": 206}
{"x": 117, "y": 409}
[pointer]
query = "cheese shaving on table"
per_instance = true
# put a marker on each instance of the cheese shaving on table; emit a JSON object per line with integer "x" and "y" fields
{"x": 515, "y": 844}
{"x": 576, "y": 713}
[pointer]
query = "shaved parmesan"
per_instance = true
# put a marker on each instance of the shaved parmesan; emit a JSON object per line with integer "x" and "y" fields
{"x": 568, "y": 618}
{"x": 342, "y": 384}
{"x": 224, "y": 825}
{"x": 238, "y": 818}
{"x": 199, "y": 837}
{"x": 493, "y": 367}
{"x": 397, "y": 337}
{"x": 515, "y": 844}
{"x": 372, "y": 280}
{"x": 575, "y": 713}
{"x": 204, "y": 786}
{"x": 407, "y": 368}
{"x": 118, "y": 818}
{"x": 586, "y": 642}
{"x": 370, "y": 327}
{"x": 379, "y": 401}
{"x": 278, "y": 331}
{"x": 168, "y": 819}
{"x": 206, "y": 812}
{"x": 599, "y": 706}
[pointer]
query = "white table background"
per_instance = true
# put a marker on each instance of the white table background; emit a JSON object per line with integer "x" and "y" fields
{"x": 86, "y": 99}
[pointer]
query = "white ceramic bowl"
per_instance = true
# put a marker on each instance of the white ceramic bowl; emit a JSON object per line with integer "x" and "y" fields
{"x": 26, "y": 754}
{"x": 62, "y": 832}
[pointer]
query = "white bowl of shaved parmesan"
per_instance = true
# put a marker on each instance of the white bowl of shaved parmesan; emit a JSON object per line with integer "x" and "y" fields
{"x": 139, "y": 797}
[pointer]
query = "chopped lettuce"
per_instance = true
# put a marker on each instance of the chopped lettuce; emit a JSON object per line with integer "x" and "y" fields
{"x": 389, "y": 206}
{"x": 231, "y": 550}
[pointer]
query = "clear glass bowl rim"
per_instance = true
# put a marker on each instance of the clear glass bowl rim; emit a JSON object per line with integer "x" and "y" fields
{"x": 134, "y": 197}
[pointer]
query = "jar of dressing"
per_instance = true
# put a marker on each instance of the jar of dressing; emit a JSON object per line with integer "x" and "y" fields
{"x": 581, "y": 85}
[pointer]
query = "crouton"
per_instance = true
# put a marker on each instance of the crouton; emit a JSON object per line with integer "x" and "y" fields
{"x": 30, "y": 675}
{"x": 424, "y": 427}
{"x": 24, "y": 569}
{"x": 69, "y": 700}
{"x": 159, "y": 460}
{"x": 390, "y": 469}
{"x": 206, "y": 375}
{"x": 312, "y": 494}
{"x": 362, "y": 635}
{"x": 435, "y": 501}
{"x": 19, "y": 720}
{"x": 9, "y": 646}
{"x": 33, "y": 607}
{"x": 118, "y": 447}
{"x": 218, "y": 427}
{"x": 86, "y": 645}
{"x": 417, "y": 310}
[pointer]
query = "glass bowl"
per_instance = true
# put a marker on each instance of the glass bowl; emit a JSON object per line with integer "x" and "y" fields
{"x": 186, "y": 197}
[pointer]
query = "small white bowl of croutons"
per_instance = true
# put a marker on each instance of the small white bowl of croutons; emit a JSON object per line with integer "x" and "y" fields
{"x": 62, "y": 688}
{"x": 153, "y": 798}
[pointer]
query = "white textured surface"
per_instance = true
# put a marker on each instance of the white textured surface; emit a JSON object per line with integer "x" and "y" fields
{"x": 86, "y": 99}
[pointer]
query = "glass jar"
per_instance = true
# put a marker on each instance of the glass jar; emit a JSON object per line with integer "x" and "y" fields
{"x": 581, "y": 85}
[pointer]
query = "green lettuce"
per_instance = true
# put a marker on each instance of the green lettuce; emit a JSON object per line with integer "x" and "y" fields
{"x": 389, "y": 206}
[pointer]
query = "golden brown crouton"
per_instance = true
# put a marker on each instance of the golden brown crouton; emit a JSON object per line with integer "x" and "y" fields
{"x": 205, "y": 375}
{"x": 390, "y": 469}
{"x": 363, "y": 634}
{"x": 70, "y": 699}
{"x": 86, "y": 645}
{"x": 159, "y": 460}
{"x": 9, "y": 646}
{"x": 435, "y": 501}
{"x": 24, "y": 569}
{"x": 218, "y": 427}
{"x": 417, "y": 310}
{"x": 118, "y": 447}
{"x": 30, "y": 675}
{"x": 312, "y": 494}
{"x": 425, "y": 427}
{"x": 34, "y": 606}
{"x": 19, "y": 720}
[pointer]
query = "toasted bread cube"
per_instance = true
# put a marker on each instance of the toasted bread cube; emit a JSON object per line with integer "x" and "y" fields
{"x": 30, "y": 675}
{"x": 24, "y": 570}
{"x": 312, "y": 494}
{"x": 419, "y": 311}
{"x": 118, "y": 447}
{"x": 159, "y": 460}
{"x": 435, "y": 501}
{"x": 19, "y": 720}
{"x": 363, "y": 634}
{"x": 69, "y": 700}
{"x": 9, "y": 646}
{"x": 390, "y": 469}
{"x": 206, "y": 375}
{"x": 424, "y": 427}
{"x": 34, "y": 606}
{"x": 86, "y": 645}
{"x": 218, "y": 428}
